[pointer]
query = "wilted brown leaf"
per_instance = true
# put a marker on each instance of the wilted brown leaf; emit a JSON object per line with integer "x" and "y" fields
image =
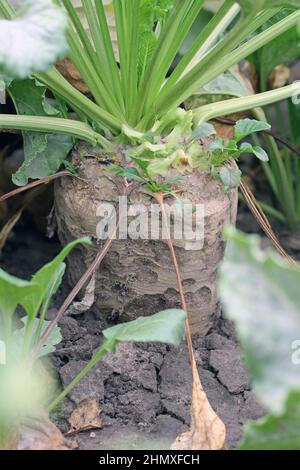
{"x": 86, "y": 416}
{"x": 279, "y": 76}
{"x": 207, "y": 430}
{"x": 67, "y": 69}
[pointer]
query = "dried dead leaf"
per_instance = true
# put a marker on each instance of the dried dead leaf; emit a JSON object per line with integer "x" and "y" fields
{"x": 86, "y": 416}
{"x": 249, "y": 74}
{"x": 279, "y": 77}
{"x": 41, "y": 434}
{"x": 70, "y": 73}
{"x": 207, "y": 430}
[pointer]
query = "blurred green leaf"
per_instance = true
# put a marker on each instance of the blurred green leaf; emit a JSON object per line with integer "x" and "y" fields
{"x": 275, "y": 432}
{"x": 34, "y": 40}
{"x": 43, "y": 280}
{"x": 281, "y": 51}
{"x": 54, "y": 338}
{"x": 12, "y": 292}
{"x": 260, "y": 293}
{"x": 294, "y": 121}
{"x": 203, "y": 131}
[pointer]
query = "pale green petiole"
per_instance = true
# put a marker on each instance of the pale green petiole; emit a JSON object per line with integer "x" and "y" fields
{"x": 236, "y": 105}
{"x": 51, "y": 125}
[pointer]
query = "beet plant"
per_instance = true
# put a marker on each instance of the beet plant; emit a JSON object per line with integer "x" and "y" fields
{"x": 131, "y": 134}
{"x": 133, "y": 117}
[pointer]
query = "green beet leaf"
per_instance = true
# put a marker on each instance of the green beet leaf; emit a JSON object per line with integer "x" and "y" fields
{"x": 43, "y": 153}
{"x": 165, "y": 327}
{"x": 246, "y": 127}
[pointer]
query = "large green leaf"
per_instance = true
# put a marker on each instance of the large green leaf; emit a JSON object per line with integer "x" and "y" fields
{"x": 43, "y": 280}
{"x": 12, "y": 292}
{"x": 165, "y": 327}
{"x": 260, "y": 292}
{"x": 44, "y": 153}
{"x": 33, "y": 41}
{"x": 275, "y": 432}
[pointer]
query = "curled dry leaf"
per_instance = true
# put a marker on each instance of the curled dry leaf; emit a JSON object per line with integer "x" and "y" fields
{"x": 86, "y": 416}
{"x": 207, "y": 430}
{"x": 41, "y": 434}
{"x": 249, "y": 73}
{"x": 279, "y": 77}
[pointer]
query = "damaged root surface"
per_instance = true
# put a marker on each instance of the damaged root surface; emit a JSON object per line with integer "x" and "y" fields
{"x": 137, "y": 278}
